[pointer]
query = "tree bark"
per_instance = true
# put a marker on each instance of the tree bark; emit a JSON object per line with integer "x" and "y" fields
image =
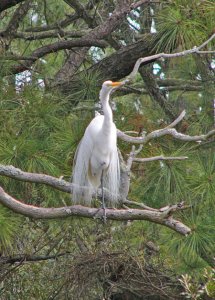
{"x": 5, "y": 4}
{"x": 114, "y": 67}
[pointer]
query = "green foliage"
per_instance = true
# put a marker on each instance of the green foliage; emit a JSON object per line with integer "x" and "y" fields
{"x": 9, "y": 227}
{"x": 193, "y": 290}
{"x": 182, "y": 23}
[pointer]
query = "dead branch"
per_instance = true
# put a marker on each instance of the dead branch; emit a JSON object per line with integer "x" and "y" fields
{"x": 195, "y": 49}
{"x": 15, "y": 173}
{"x": 88, "y": 212}
{"x": 161, "y": 157}
{"x": 168, "y": 130}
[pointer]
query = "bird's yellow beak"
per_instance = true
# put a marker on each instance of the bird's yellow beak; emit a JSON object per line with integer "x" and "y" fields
{"x": 116, "y": 83}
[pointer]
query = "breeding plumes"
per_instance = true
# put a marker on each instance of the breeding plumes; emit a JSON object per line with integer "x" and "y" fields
{"x": 96, "y": 161}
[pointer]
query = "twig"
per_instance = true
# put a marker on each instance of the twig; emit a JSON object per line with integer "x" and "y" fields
{"x": 142, "y": 205}
{"x": 178, "y": 120}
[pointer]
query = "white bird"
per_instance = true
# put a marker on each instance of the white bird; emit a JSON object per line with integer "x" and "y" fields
{"x": 96, "y": 161}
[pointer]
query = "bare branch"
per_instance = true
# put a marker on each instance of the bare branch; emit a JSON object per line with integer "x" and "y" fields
{"x": 165, "y": 131}
{"x": 88, "y": 212}
{"x": 51, "y": 48}
{"x": 178, "y": 120}
{"x": 81, "y": 11}
{"x": 134, "y": 203}
{"x": 165, "y": 55}
{"x": 161, "y": 157}
{"x": 59, "y": 184}
{"x": 140, "y": 91}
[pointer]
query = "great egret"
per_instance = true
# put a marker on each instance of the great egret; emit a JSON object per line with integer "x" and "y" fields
{"x": 96, "y": 161}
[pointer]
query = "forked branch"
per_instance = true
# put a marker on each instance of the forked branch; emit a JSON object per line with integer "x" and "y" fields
{"x": 168, "y": 130}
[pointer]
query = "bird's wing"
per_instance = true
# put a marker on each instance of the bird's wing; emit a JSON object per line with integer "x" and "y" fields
{"x": 112, "y": 179}
{"x": 82, "y": 189}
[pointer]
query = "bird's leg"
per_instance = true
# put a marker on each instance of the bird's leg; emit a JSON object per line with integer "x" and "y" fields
{"x": 103, "y": 197}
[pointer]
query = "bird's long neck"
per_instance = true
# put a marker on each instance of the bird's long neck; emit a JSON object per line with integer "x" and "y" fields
{"x": 108, "y": 115}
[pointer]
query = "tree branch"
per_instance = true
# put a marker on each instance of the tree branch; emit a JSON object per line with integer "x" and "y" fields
{"x": 29, "y": 258}
{"x": 165, "y": 55}
{"x": 51, "y": 48}
{"x": 46, "y": 34}
{"x": 15, "y": 173}
{"x": 93, "y": 38}
{"x": 5, "y": 4}
{"x": 166, "y": 131}
{"x": 161, "y": 132}
{"x": 161, "y": 157}
{"x": 58, "y": 25}
{"x": 88, "y": 212}
{"x": 17, "y": 17}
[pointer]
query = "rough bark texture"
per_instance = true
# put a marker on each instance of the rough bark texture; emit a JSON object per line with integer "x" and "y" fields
{"x": 5, "y": 4}
{"x": 156, "y": 94}
{"x": 159, "y": 217}
{"x": 115, "y": 67}
{"x": 72, "y": 64}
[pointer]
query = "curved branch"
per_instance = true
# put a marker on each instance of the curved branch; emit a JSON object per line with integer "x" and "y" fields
{"x": 166, "y": 131}
{"x": 165, "y": 55}
{"x": 15, "y": 173}
{"x": 159, "y": 217}
{"x": 57, "y": 46}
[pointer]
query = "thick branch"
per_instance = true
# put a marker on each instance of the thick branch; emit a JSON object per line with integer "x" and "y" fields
{"x": 93, "y": 38}
{"x": 17, "y": 17}
{"x": 51, "y": 48}
{"x": 114, "y": 67}
{"x": 156, "y": 93}
{"x": 5, "y": 4}
{"x": 87, "y": 212}
{"x": 15, "y": 173}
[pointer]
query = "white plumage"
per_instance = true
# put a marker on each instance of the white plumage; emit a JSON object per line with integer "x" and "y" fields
{"x": 96, "y": 160}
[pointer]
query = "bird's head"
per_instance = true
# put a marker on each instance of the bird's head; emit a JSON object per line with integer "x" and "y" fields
{"x": 110, "y": 85}
{"x": 107, "y": 87}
